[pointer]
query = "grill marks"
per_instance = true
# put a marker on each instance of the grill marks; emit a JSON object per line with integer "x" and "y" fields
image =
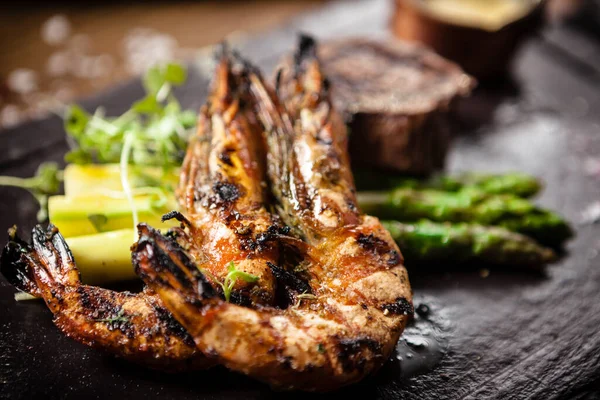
{"x": 299, "y": 328}
{"x": 351, "y": 352}
{"x": 14, "y": 264}
{"x": 107, "y": 307}
{"x": 134, "y": 326}
{"x": 260, "y": 241}
{"x": 167, "y": 255}
{"x": 289, "y": 286}
{"x": 225, "y": 171}
{"x": 172, "y": 327}
{"x": 381, "y": 248}
{"x": 400, "y": 307}
{"x": 226, "y": 192}
{"x": 225, "y": 156}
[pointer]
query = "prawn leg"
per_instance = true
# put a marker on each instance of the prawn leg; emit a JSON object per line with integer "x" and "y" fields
{"x": 136, "y": 327}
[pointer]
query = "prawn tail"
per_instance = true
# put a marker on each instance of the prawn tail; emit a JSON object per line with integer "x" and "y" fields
{"x": 15, "y": 264}
{"x": 279, "y": 137}
{"x": 40, "y": 267}
{"x": 168, "y": 270}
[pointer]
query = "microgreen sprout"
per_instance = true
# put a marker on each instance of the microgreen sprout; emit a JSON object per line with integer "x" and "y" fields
{"x": 231, "y": 278}
{"x": 159, "y": 127}
{"x": 153, "y": 132}
{"x": 44, "y": 183}
{"x": 98, "y": 221}
{"x": 117, "y": 319}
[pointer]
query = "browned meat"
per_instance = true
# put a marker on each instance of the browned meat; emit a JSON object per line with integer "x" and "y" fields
{"x": 357, "y": 298}
{"x": 395, "y": 97}
{"x": 222, "y": 190}
{"x": 133, "y": 326}
{"x": 347, "y": 292}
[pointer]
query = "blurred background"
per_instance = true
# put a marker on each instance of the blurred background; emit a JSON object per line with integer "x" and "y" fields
{"x": 54, "y": 52}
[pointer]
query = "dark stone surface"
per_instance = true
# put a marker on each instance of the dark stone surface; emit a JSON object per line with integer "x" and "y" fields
{"x": 510, "y": 335}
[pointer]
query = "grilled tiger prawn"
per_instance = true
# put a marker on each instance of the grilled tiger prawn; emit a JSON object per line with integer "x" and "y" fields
{"x": 222, "y": 190}
{"x": 358, "y": 297}
{"x": 136, "y": 327}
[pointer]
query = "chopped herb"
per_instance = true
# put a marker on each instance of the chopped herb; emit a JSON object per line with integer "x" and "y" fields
{"x": 321, "y": 348}
{"x": 158, "y": 127}
{"x": 304, "y": 296}
{"x": 44, "y": 183}
{"x": 117, "y": 319}
{"x": 98, "y": 221}
{"x": 302, "y": 267}
{"x": 231, "y": 278}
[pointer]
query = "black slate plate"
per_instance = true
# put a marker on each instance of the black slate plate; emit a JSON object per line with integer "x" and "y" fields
{"x": 506, "y": 336}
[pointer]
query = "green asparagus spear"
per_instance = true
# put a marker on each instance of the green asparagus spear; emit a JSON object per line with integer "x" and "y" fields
{"x": 426, "y": 242}
{"x": 515, "y": 183}
{"x": 468, "y": 205}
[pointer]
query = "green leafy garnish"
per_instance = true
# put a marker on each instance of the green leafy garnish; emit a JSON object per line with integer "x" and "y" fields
{"x": 231, "y": 278}
{"x": 44, "y": 183}
{"x": 158, "y": 127}
{"x": 321, "y": 348}
{"x": 98, "y": 220}
{"x": 76, "y": 120}
{"x": 153, "y": 132}
{"x": 157, "y": 77}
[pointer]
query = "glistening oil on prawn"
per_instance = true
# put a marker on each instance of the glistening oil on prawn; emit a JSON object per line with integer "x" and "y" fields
{"x": 360, "y": 296}
{"x": 136, "y": 327}
{"x": 312, "y": 296}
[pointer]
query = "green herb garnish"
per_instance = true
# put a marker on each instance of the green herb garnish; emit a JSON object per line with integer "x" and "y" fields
{"x": 98, "y": 221}
{"x": 231, "y": 278}
{"x": 117, "y": 319}
{"x": 153, "y": 132}
{"x": 321, "y": 348}
{"x": 44, "y": 183}
{"x": 158, "y": 127}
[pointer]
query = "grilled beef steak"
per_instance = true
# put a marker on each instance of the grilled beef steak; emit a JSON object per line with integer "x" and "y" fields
{"x": 395, "y": 97}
